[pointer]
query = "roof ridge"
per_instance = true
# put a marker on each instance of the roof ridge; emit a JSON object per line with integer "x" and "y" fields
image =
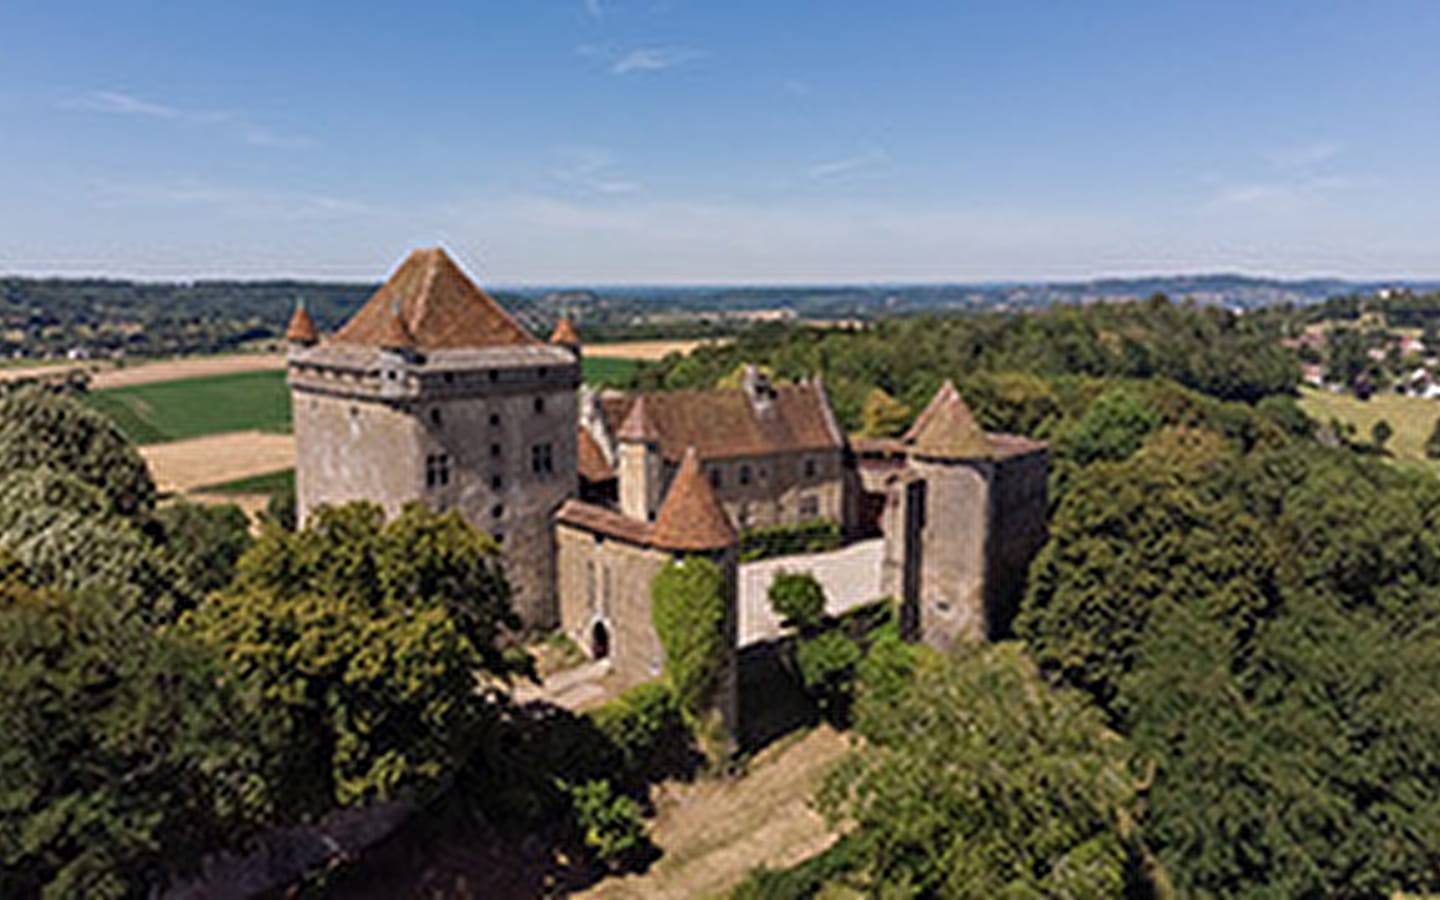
{"x": 947, "y": 428}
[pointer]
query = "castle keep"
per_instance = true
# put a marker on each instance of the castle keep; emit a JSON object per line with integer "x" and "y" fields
{"x": 432, "y": 392}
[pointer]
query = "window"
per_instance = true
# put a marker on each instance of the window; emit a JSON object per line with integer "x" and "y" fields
{"x": 542, "y": 460}
{"x": 498, "y": 510}
{"x": 496, "y": 482}
{"x": 539, "y": 404}
{"x": 715, "y": 479}
{"x": 435, "y": 416}
{"x": 744, "y": 474}
{"x": 437, "y": 470}
{"x": 494, "y": 419}
{"x": 495, "y": 450}
{"x": 494, "y": 375}
{"x": 449, "y": 377}
{"x": 809, "y": 506}
{"x": 809, "y": 468}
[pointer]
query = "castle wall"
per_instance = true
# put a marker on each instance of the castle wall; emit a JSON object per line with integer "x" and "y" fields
{"x": 606, "y": 580}
{"x": 953, "y": 550}
{"x": 1020, "y": 528}
{"x": 779, "y": 489}
{"x": 504, "y": 439}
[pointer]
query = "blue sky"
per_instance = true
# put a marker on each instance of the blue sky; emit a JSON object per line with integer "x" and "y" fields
{"x": 687, "y": 141}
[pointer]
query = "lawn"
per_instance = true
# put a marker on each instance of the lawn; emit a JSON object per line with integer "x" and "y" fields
{"x": 605, "y": 370}
{"x": 1412, "y": 418}
{"x": 269, "y": 483}
{"x": 166, "y": 411}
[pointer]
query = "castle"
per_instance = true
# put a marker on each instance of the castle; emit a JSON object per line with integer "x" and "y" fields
{"x": 432, "y": 392}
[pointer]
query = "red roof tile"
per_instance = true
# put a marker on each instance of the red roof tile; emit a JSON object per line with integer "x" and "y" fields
{"x": 724, "y": 423}
{"x": 302, "y": 328}
{"x": 603, "y": 521}
{"x": 565, "y": 333}
{"x": 439, "y": 306}
{"x": 691, "y": 518}
{"x": 946, "y": 428}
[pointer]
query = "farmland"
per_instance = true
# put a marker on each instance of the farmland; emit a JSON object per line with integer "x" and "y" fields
{"x": 1411, "y": 418}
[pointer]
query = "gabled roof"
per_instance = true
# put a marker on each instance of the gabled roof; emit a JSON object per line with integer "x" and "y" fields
{"x": 691, "y": 518}
{"x": 565, "y": 333}
{"x": 302, "y": 328}
{"x": 590, "y": 459}
{"x": 438, "y": 306}
{"x": 947, "y": 429}
{"x": 724, "y": 423}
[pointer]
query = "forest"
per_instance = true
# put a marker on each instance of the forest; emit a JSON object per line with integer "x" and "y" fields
{"x": 1222, "y": 680}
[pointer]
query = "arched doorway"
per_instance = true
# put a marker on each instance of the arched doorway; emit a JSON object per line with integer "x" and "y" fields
{"x": 599, "y": 641}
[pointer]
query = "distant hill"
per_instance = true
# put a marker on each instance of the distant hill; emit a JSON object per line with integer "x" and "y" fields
{"x": 50, "y": 316}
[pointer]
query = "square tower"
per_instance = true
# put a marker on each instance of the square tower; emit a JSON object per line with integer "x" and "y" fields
{"x": 432, "y": 392}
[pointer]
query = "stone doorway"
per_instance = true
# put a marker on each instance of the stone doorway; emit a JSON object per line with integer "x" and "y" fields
{"x": 599, "y": 641}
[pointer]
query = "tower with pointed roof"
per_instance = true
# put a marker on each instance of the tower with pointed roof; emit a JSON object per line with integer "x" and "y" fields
{"x": 965, "y": 517}
{"x": 432, "y": 392}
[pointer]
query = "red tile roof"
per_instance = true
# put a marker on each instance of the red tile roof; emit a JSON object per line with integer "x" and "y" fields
{"x": 565, "y": 333}
{"x": 439, "y": 306}
{"x": 590, "y": 459}
{"x": 302, "y": 328}
{"x": 603, "y": 521}
{"x": 691, "y": 518}
{"x": 724, "y": 423}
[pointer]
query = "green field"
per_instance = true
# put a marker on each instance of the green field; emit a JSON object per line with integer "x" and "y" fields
{"x": 269, "y": 483}
{"x": 175, "y": 410}
{"x": 1412, "y": 418}
{"x": 191, "y": 407}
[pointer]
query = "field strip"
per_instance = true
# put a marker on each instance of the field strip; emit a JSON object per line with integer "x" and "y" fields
{"x": 647, "y": 350}
{"x": 217, "y": 458}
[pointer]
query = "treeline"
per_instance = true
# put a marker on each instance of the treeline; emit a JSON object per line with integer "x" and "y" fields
{"x": 1215, "y": 352}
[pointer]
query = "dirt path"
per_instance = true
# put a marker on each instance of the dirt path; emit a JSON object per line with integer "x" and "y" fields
{"x": 713, "y": 833}
{"x": 217, "y": 458}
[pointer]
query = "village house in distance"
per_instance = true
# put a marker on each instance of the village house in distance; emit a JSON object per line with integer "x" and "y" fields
{"x": 432, "y": 392}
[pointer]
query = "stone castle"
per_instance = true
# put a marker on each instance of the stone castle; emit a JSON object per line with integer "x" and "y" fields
{"x": 432, "y": 392}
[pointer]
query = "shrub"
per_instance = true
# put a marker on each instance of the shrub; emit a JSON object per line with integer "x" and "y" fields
{"x": 798, "y": 599}
{"x": 689, "y": 611}
{"x": 611, "y": 823}
{"x": 786, "y": 540}
{"x": 642, "y": 723}
{"x": 827, "y": 664}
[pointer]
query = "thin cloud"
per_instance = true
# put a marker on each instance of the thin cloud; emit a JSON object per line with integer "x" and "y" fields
{"x": 653, "y": 59}
{"x": 593, "y": 9}
{"x": 122, "y": 104}
{"x": 594, "y": 169}
{"x": 237, "y": 124}
{"x": 1277, "y": 195}
{"x": 1304, "y": 155}
{"x": 249, "y": 203}
{"x": 835, "y": 167}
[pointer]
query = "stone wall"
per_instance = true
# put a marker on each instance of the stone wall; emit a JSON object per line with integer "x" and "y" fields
{"x": 605, "y": 581}
{"x": 1020, "y": 527}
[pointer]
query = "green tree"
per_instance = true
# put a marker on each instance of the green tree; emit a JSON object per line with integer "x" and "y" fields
{"x": 365, "y": 639}
{"x": 827, "y": 662}
{"x": 1112, "y": 428}
{"x": 980, "y": 781}
{"x": 126, "y": 755}
{"x": 688, "y": 606}
{"x": 1432, "y": 443}
{"x": 204, "y": 543}
{"x": 1160, "y": 527}
{"x": 798, "y": 599}
{"x": 883, "y": 415}
{"x": 42, "y": 428}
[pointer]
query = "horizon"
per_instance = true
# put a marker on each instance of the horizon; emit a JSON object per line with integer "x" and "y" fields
{"x": 669, "y": 143}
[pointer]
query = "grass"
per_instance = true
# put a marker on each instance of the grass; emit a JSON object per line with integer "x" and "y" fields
{"x": 604, "y": 370}
{"x": 269, "y": 483}
{"x": 1412, "y": 418}
{"x": 192, "y": 407}
{"x": 174, "y": 410}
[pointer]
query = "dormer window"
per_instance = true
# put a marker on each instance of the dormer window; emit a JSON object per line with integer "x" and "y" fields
{"x": 744, "y": 474}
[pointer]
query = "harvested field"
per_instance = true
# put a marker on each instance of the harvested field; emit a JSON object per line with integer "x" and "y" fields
{"x": 648, "y": 350}
{"x": 186, "y": 367}
{"x": 217, "y": 458}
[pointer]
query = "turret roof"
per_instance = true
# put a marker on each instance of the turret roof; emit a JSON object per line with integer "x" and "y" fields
{"x": 691, "y": 518}
{"x": 302, "y": 328}
{"x": 947, "y": 428}
{"x": 565, "y": 333}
